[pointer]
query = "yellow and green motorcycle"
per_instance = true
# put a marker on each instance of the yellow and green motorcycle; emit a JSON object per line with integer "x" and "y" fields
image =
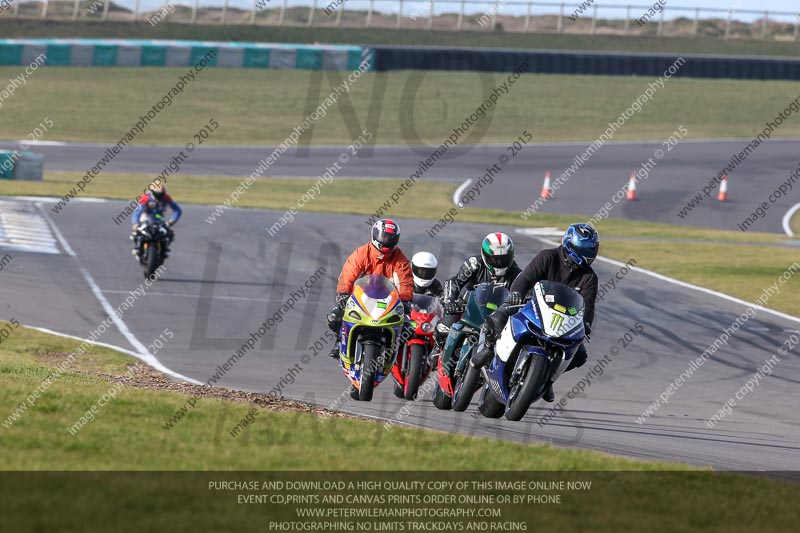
{"x": 371, "y": 326}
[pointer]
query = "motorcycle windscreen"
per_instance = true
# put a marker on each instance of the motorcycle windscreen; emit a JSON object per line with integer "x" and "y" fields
{"x": 423, "y": 303}
{"x": 561, "y": 309}
{"x": 483, "y": 300}
{"x": 376, "y": 295}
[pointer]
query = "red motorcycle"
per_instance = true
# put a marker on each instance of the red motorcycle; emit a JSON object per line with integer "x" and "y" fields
{"x": 411, "y": 368}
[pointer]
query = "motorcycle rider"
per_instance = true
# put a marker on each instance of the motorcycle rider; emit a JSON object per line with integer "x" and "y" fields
{"x": 423, "y": 268}
{"x": 494, "y": 264}
{"x": 154, "y": 202}
{"x": 379, "y": 256}
{"x": 570, "y": 264}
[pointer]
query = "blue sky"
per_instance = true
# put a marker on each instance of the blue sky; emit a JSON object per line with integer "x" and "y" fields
{"x": 453, "y": 5}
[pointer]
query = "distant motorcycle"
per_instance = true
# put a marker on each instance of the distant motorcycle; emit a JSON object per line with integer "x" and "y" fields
{"x": 536, "y": 346}
{"x": 463, "y": 336}
{"x": 411, "y": 368}
{"x": 368, "y": 339}
{"x": 152, "y": 235}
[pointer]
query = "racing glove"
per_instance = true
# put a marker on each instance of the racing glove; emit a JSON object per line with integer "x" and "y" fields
{"x": 515, "y": 298}
{"x": 335, "y": 315}
{"x": 441, "y": 332}
{"x": 489, "y": 329}
{"x": 453, "y": 307}
{"x": 408, "y": 329}
{"x": 341, "y": 299}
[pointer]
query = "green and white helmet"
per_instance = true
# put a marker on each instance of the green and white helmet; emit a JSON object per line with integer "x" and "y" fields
{"x": 497, "y": 251}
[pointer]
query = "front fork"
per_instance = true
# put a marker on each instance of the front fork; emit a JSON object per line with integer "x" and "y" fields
{"x": 523, "y": 362}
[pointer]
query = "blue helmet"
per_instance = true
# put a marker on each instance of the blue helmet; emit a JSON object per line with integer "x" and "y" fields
{"x": 581, "y": 244}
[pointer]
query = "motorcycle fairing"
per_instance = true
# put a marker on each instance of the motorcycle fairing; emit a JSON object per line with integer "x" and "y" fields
{"x": 530, "y": 331}
{"x": 560, "y": 310}
{"x": 374, "y": 304}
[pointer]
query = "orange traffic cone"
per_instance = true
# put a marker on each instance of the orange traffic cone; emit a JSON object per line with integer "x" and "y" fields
{"x": 723, "y": 190}
{"x": 632, "y": 187}
{"x": 546, "y": 192}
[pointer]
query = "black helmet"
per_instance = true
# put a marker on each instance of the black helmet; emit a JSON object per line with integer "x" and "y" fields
{"x": 385, "y": 235}
{"x": 159, "y": 190}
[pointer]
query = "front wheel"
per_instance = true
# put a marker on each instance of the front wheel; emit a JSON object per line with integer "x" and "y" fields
{"x": 369, "y": 367}
{"x": 416, "y": 361}
{"x": 528, "y": 389}
{"x": 440, "y": 399}
{"x": 152, "y": 260}
{"x": 488, "y": 405}
{"x": 466, "y": 385}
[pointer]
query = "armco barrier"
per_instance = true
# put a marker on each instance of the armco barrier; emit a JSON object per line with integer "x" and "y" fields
{"x": 591, "y": 63}
{"x": 7, "y": 161}
{"x": 156, "y": 53}
{"x": 114, "y": 52}
{"x": 21, "y": 165}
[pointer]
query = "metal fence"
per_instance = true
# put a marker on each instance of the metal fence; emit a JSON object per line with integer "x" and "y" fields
{"x": 587, "y": 17}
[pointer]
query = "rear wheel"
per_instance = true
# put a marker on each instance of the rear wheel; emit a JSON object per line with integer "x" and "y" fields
{"x": 417, "y": 355}
{"x": 398, "y": 390}
{"x": 466, "y": 385}
{"x": 369, "y": 367}
{"x": 440, "y": 399}
{"x": 488, "y": 405}
{"x": 528, "y": 389}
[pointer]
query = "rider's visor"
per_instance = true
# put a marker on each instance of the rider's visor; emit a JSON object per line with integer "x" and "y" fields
{"x": 387, "y": 241}
{"x": 424, "y": 273}
{"x": 499, "y": 261}
{"x": 587, "y": 251}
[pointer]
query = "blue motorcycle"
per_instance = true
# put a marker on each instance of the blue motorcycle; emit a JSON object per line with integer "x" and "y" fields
{"x": 536, "y": 346}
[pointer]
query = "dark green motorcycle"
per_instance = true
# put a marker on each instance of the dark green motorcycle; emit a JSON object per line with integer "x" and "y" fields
{"x": 484, "y": 299}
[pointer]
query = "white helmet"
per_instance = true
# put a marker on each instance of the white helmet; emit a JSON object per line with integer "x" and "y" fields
{"x": 423, "y": 267}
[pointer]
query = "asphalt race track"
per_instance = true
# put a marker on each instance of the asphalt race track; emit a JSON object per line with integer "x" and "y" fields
{"x": 225, "y": 279}
{"x": 682, "y": 173}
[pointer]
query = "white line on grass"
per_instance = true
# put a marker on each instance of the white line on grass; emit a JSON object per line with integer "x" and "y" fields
{"x": 461, "y": 189}
{"x": 787, "y": 219}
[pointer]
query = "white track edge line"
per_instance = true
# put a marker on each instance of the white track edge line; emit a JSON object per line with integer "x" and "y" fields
{"x": 56, "y": 231}
{"x": 151, "y": 361}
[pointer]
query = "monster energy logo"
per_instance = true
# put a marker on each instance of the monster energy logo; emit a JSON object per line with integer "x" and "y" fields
{"x": 556, "y": 322}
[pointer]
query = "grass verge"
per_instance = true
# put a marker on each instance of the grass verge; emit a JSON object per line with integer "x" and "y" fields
{"x": 127, "y": 434}
{"x": 256, "y": 107}
{"x": 743, "y": 271}
{"x": 701, "y": 256}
